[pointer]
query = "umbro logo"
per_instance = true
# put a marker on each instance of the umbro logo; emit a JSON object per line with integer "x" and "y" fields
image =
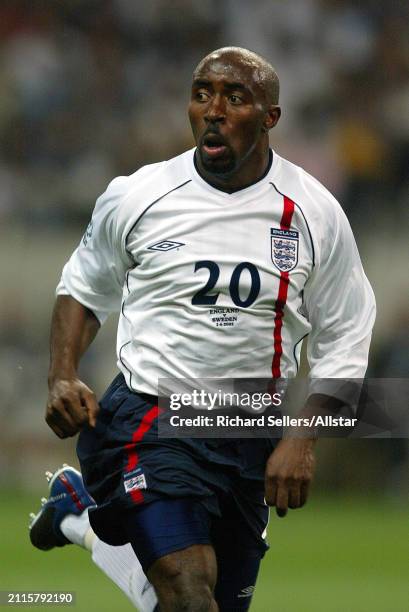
{"x": 247, "y": 592}
{"x": 165, "y": 245}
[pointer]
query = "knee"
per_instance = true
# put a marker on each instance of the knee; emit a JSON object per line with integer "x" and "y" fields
{"x": 182, "y": 585}
{"x": 186, "y": 596}
{"x": 180, "y": 589}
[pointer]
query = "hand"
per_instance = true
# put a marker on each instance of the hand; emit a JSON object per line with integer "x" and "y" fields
{"x": 71, "y": 405}
{"x": 288, "y": 474}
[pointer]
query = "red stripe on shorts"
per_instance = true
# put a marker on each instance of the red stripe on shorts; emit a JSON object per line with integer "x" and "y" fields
{"x": 282, "y": 296}
{"x": 133, "y": 457}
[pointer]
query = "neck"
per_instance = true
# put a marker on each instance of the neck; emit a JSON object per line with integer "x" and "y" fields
{"x": 245, "y": 175}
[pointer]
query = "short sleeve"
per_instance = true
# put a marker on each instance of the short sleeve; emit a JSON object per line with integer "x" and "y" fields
{"x": 95, "y": 273}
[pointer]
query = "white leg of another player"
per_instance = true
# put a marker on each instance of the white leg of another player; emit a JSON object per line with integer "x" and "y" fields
{"x": 119, "y": 563}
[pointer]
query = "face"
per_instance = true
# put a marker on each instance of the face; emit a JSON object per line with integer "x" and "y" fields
{"x": 228, "y": 114}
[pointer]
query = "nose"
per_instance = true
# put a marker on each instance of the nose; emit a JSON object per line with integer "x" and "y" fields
{"x": 216, "y": 109}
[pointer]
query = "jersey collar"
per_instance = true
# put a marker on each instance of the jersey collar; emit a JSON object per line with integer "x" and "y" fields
{"x": 236, "y": 194}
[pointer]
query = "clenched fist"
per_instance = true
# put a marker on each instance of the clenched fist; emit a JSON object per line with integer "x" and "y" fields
{"x": 71, "y": 405}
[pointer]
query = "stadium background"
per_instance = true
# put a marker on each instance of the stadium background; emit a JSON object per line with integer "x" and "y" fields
{"x": 93, "y": 89}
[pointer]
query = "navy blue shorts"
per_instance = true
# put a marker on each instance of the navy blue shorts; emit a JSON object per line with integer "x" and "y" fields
{"x": 126, "y": 467}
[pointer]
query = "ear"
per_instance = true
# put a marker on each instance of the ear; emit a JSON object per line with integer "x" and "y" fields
{"x": 273, "y": 114}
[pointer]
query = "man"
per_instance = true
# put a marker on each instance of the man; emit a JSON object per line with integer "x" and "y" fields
{"x": 227, "y": 225}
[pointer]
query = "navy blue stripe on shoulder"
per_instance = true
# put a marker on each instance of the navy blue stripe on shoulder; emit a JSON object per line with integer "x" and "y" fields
{"x": 152, "y": 204}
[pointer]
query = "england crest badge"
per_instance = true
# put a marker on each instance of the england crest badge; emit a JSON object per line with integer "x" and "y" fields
{"x": 284, "y": 249}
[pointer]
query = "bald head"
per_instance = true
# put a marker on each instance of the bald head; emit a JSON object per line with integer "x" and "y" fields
{"x": 233, "y": 106}
{"x": 264, "y": 76}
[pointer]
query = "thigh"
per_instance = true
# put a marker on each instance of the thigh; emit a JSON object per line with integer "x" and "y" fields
{"x": 171, "y": 539}
{"x": 185, "y": 579}
{"x": 165, "y": 526}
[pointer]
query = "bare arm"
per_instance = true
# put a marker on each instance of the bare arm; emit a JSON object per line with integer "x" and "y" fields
{"x": 71, "y": 404}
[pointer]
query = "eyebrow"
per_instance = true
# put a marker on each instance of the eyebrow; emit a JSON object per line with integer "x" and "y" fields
{"x": 237, "y": 86}
{"x": 200, "y": 83}
{"x": 229, "y": 86}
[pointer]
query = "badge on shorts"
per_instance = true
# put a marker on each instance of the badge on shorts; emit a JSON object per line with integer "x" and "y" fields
{"x": 134, "y": 480}
{"x": 284, "y": 249}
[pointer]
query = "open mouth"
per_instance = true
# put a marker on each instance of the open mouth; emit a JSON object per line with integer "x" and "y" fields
{"x": 213, "y": 145}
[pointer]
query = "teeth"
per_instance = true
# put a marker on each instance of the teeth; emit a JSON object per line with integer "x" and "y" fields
{"x": 43, "y": 501}
{"x": 48, "y": 475}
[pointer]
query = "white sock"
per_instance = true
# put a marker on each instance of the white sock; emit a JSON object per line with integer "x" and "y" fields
{"x": 76, "y": 529}
{"x": 119, "y": 563}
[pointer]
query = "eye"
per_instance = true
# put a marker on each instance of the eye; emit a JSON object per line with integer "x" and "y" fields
{"x": 234, "y": 99}
{"x": 201, "y": 96}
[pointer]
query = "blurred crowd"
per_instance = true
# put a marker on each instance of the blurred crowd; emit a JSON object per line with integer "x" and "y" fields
{"x": 96, "y": 88}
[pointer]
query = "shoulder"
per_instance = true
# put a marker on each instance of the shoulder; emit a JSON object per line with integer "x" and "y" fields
{"x": 154, "y": 180}
{"x": 317, "y": 203}
{"x": 150, "y": 180}
{"x": 304, "y": 189}
{"x": 135, "y": 193}
{"x": 323, "y": 214}
{"x": 127, "y": 197}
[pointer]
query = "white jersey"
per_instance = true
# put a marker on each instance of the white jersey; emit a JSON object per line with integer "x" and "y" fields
{"x": 211, "y": 284}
